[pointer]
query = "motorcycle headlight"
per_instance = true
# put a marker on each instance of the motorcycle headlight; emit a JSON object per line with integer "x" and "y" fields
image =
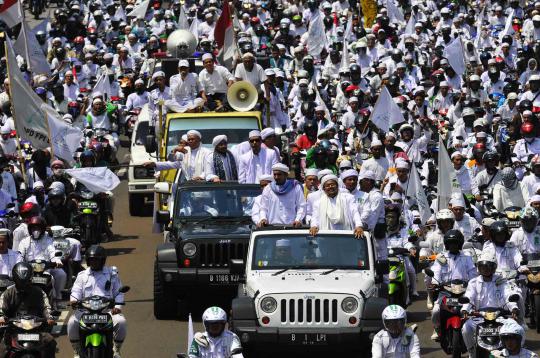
{"x": 189, "y": 249}
{"x": 349, "y": 305}
{"x": 38, "y": 266}
{"x": 268, "y": 304}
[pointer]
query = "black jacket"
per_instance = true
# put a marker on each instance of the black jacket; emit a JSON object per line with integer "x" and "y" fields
{"x": 32, "y": 302}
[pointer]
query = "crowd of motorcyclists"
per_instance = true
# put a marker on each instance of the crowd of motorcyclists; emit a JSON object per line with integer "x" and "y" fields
{"x": 463, "y": 74}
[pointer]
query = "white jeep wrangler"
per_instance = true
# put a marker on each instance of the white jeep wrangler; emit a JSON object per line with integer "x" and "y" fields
{"x": 308, "y": 291}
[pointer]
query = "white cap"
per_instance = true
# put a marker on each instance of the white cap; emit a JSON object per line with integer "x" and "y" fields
{"x": 478, "y": 122}
{"x": 468, "y": 111}
{"x": 254, "y": 134}
{"x": 183, "y": 63}
{"x": 195, "y": 133}
{"x": 158, "y": 74}
{"x": 353, "y": 99}
{"x": 311, "y": 172}
{"x": 218, "y": 139}
{"x": 207, "y": 56}
{"x": 367, "y": 174}
{"x": 267, "y": 177}
{"x": 267, "y": 132}
{"x": 457, "y": 202}
{"x": 401, "y": 164}
{"x": 512, "y": 95}
{"x": 323, "y": 173}
{"x": 281, "y": 167}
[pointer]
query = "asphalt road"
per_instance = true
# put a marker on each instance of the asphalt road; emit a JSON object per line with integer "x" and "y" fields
{"x": 133, "y": 253}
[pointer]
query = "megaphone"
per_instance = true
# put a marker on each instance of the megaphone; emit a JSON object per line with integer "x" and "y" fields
{"x": 181, "y": 44}
{"x": 242, "y": 96}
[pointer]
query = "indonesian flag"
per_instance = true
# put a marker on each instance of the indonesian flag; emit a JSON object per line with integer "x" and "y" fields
{"x": 10, "y": 12}
{"x": 224, "y": 36}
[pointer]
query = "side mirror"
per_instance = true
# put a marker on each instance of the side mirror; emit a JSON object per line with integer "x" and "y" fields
{"x": 238, "y": 350}
{"x": 514, "y": 298}
{"x": 382, "y": 267}
{"x": 162, "y": 187}
{"x": 150, "y": 144}
{"x": 429, "y": 272}
{"x": 238, "y": 266}
{"x": 464, "y": 300}
{"x": 163, "y": 217}
{"x": 524, "y": 262}
{"x": 124, "y": 289}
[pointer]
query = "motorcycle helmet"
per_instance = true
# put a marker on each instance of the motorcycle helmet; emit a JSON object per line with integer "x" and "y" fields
{"x": 394, "y": 319}
{"x": 525, "y": 105}
{"x": 96, "y": 257}
{"x": 445, "y": 216}
{"x": 491, "y": 156}
{"x": 527, "y": 130}
{"x": 36, "y": 227}
{"x": 529, "y": 218}
{"x": 88, "y": 159}
{"x": 214, "y": 319}
{"x": 479, "y": 149}
{"x": 56, "y": 196}
{"x": 22, "y": 274}
{"x": 453, "y": 241}
{"x": 28, "y": 210}
{"x": 498, "y": 231}
{"x": 511, "y": 330}
{"x": 487, "y": 263}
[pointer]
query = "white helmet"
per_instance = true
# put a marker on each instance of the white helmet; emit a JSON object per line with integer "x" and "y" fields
{"x": 214, "y": 314}
{"x": 511, "y": 328}
{"x": 528, "y": 212}
{"x": 445, "y": 214}
{"x": 488, "y": 257}
{"x": 394, "y": 313}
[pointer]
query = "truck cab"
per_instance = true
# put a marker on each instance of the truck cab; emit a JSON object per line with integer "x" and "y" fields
{"x": 307, "y": 292}
{"x": 207, "y": 225}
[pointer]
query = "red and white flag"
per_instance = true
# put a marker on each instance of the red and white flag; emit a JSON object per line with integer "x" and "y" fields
{"x": 224, "y": 36}
{"x": 10, "y": 12}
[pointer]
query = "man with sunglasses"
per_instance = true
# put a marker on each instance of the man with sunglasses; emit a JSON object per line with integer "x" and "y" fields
{"x": 257, "y": 162}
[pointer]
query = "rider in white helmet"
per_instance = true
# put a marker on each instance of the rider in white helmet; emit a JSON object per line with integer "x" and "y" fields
{"x": 512, "y": 337}
{"x": 395, "y": 340}
{"x": 216, "y": 342}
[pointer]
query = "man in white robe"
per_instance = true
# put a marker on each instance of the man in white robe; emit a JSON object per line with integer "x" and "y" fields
{"x": 282, "y": 202}
{"x": 221, "y": 161}
{"x": 258, "y": 161}
{"x": 335, "y": 210}
{"x": 378, "y": 163}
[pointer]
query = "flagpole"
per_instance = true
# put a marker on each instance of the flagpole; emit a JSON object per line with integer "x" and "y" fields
{"x": 25, "y": 39}
{"x": 48, "y": 130}
{"x": 17, "y": 138}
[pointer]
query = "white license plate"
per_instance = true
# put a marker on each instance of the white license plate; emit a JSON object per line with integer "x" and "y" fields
{"x": 96, "y": 318}
{"x": 534, "y": 263}
{"x": 225, "y": 278}
{"x": 489, "y": 331}
{"x": 308, "y": 339}
{"x": 40, "y": 280}
{"x": 452, "y": 301}
{"x": 28, "y": 337}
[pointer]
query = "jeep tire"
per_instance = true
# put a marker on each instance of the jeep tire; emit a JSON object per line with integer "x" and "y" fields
{"x": 136, "y": 204}
{"x": 165, "y": 303}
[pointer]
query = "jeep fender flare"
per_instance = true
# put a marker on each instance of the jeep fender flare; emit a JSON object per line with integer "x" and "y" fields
{"x": 374, "y": 307}
{"x": 243, "y": 308}
{"x": 166, "y": 252}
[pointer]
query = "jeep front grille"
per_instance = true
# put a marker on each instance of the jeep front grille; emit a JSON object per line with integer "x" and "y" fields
{"x": 309, "y": 310}
{"x": 219, "y": 254}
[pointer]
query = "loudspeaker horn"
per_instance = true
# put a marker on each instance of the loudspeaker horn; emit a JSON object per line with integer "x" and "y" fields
{"x": 181, "y": 44}
{"x": 242, "y": 96}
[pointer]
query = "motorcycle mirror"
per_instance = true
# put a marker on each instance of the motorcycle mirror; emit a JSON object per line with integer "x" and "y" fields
{"x": 478, "y": 230}
{"x": 464, "y": 300}
{"x": 124, "y": 289}
{"x": 514, "y": 298}
{"x": 429, "y": 272}
{"x": 237, "y": 351}
{"x": 10, "y": 205}
{"x": 524, "y": 262}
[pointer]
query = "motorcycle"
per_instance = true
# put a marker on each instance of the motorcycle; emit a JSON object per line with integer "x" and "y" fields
{"x": 511, "y": 216}
{"x": 96, "y": 325}
{"x": 131, "y": 119}
{"x": 63, "y": 249}
{"x": 487, "y": 331}
{"x": 533, "y": 287}
{"x": 450, "y": 315}
{"x": 26, "y": 340}
{"x": 231, "y": 355}
{"x": 398, "y": 291}
{"x": 89, "y": 217}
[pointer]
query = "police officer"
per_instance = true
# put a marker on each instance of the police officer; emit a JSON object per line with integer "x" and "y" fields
{"x": 100, "y": 280}
{"x": 395, "y": 340}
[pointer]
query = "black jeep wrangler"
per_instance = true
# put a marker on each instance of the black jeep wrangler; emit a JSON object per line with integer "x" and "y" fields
{"x": 207, "y": 225}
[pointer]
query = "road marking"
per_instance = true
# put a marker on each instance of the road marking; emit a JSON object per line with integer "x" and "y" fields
{"x": 58, "y": 328}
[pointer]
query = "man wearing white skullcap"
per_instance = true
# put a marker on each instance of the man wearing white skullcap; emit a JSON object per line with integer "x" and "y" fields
{"x": 269, "y": 139}
{"x": 264, "y": 180}
{"x": 372, "y": 207}
{"x": 215, "y": 80}
{"x": 192, "y": 159}
{"x": 464, "y": 176}
{"x": 412, "y": 146}
{"x": 335, "y": 210}
{"x": 252, "y": 72}
{"x": 311, "y": 182}
{"x": 283, "y": 200}
{"x": 221, "y": 162}
{"x": 162, "y": 92}
{"x": 139, "y": 97}
{"x": 349, "y": 178}
{"x": 187, "y": 92}
{"x": 258, "y": 161}
{"x": 463, "y": 221}
{"x": 400, "y": 181}
{"x": 377, "y": 163}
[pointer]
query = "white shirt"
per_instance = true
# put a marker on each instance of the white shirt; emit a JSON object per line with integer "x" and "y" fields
{"x": 526, "y": 242}
{"x": 185, "y": 89}
{"x": 19, "y": 234}
{"x": 372, "y": 209}
{"x": 504, "y": 197}
{"x": 256, "y": 76}
{"x": 218, "y": 347}
{"x": 8, "y": 260}
{"x": 215, "y": 82}
{"x": 529, "y": 185}
{"x": 42, "y": 249}
{"x": 283, "y": 209}
{"x": 89, "y": 283}
{"x": 251, "y": 166}
{"x": 457, "y": 267}
{"x": 378, "y": 166}
{"x": 467, "y": 225}
{"x": 384, "y": 346}
{"x": 488, "y": 294}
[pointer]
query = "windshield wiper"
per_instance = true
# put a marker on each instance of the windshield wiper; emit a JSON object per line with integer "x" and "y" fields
{"x": 329, "y": 271}
{"x": 285, "y": 269}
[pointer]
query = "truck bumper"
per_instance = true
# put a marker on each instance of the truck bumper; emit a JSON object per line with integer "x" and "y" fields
{"x": 141, "y": 187}
{"x": 174, "y": 276}
{"x": 263, "y": 338}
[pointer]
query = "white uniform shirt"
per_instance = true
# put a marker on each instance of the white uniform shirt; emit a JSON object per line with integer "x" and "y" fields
{"x": 467, "y": 225}
{"x": 251, "y": 166}
{"x": 42, "y": 249}
{"x": 372, "y": 210}
{"x": 526, "y": 242}
{"x": 89, "y": 283}
{"x": 218, "y": 347}
{"x": 256, "y": 76}
{"x": 215, "y": 82}
{"x": 457, "y": 267}
{"x": 489, "y": 294}
{"x": 529, "y": 185}
{"x": 508, "y": 256}
{"x": 405, "y": 346}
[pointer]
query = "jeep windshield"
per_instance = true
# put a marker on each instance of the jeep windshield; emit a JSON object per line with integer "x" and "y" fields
{"x": 328, "y": 251}
{"x": 211, "y": 203}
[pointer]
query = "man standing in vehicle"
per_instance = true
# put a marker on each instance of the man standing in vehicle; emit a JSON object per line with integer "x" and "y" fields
{"x": 100, "y": 280}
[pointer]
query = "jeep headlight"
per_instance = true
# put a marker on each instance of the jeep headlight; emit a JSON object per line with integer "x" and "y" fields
{"x": 268, "y": 304}
{"x": 349, "y": 305}
{"x": 142, "y": 173}
{"x": 189, "y": 249}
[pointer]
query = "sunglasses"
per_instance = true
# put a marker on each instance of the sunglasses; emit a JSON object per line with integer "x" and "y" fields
{"x": 258, "y": 140}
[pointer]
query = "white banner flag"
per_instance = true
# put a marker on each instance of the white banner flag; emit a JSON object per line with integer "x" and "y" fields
{"x": 27, "y": 46}
{"x": 96, "y": 179}
{"x": 447, "y": 182}
{"x": 386, "y": 112}
{"x": 139, "y": 11}
{"x": 394, "y": 13}
{"x": 317, "y": 36}
{"x": 65, "y": 139}
{"x": 183, "y": 23}
{"x": 479, "y": 24}
{"x": 120, "y": 14}
{"x": 454, "y": 53}
{"x": 30, "y": 121}
{"x": 409, "y": 29}
{"x": 10, "y": 12}
{"x": 103, "y": 85}
{"x": 416, "y": 195}
{"x": 508, "y": 29}
{"x": 194, "y": 28}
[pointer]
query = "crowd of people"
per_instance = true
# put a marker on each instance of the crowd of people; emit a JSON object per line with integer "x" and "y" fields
{"x": 463, "y": 79}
